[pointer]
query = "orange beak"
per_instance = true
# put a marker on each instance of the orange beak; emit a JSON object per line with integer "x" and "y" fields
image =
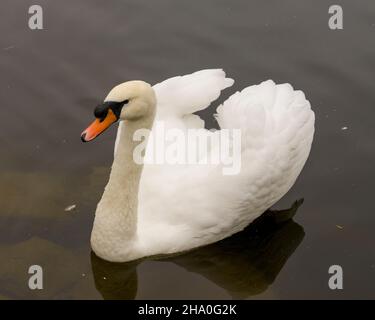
{"x": 98, "y": 126}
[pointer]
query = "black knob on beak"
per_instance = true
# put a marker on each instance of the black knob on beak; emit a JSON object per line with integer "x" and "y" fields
{"x": 101, "y": 111}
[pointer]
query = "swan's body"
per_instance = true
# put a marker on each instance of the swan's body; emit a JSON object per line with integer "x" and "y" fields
{"x": 163, "y": 209}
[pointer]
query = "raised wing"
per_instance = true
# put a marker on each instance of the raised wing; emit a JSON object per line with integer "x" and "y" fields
{"x": 187, "y": 94}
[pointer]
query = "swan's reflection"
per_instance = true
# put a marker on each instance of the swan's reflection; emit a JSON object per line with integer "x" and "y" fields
{"x": 244, "y": 264}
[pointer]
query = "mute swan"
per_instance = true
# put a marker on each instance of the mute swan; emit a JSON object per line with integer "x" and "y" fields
{"x": 154, "y": 209}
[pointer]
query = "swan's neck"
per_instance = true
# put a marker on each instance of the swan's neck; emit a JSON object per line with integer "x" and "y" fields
{"x": 115, "y": 227}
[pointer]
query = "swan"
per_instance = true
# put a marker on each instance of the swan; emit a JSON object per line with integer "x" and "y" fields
{"x": 150, "y": 209}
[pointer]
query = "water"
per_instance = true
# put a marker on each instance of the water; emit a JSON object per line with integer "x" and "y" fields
{"x": 51, "y": 80}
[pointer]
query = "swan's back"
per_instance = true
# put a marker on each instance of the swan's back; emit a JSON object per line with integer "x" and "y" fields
{"x": 181, "y": 207}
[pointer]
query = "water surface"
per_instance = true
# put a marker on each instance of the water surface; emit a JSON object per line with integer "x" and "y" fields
{"x": 51, "y": 80}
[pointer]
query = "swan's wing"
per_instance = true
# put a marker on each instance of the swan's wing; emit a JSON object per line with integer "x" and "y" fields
{"x": 277, "y": 127}
{"x": 272, "y": 117}
{"x": 179, "y": 97}
{"x": 204, "y": 205}
{"x": 183, "y": 95}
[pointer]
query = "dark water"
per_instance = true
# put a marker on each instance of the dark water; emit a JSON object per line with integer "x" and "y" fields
{"x": 50, "y": 81}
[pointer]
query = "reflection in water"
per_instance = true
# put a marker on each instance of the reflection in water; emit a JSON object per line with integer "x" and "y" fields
{"x": 115, "y": 281}
{"x": 244, "y": 264}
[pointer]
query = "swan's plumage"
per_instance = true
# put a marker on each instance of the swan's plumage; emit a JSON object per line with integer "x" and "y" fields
{"x": 185, "y": 206}
{"x": 184, "y": 95}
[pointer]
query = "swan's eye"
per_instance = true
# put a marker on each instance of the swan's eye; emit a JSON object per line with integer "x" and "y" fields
{"x": 125, "y": 102}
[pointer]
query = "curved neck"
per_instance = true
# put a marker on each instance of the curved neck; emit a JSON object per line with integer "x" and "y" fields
{"x": 115, "y": 225}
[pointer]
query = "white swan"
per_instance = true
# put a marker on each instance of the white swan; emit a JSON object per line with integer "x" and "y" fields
{"x": 162, "y": 209}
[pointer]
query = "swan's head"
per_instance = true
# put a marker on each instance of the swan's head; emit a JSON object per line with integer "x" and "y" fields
{"x": 130, "y": 101}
